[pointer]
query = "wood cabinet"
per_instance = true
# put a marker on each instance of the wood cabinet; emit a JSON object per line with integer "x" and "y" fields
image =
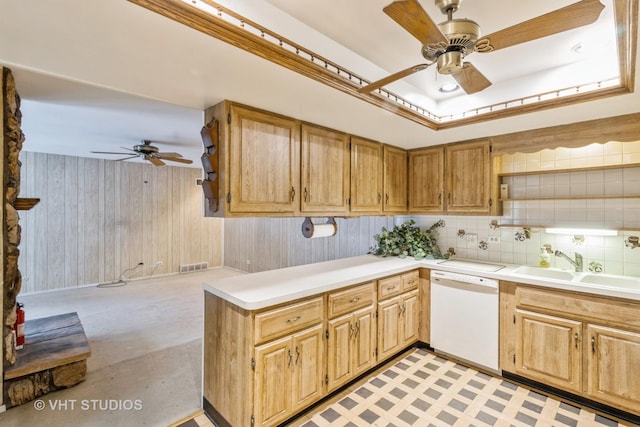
{"x": 455, "y": 179}
{"x": 613, "y": 360}
{"x": 395, "y": 180}
{"x": 366, "y": 176}
{"x": 289, "y": 375}
{"x": 468, "y": 177}
{"x": 259, "y": 157}
{"x": 325, "y": 171}
{"x": 426, "y": 180}
{"x": 398, "y": 313}
{"x": 581, "y": 343}
{"x": 538, "y": 336}
{"x": 351, "y": 334}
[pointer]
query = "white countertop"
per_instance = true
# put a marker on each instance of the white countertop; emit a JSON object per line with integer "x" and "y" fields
{"x": 259, "y": 290}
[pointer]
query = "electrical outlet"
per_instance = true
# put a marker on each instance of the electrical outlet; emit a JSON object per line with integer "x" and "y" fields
{"x": 159, "y": 263}
{"x": 248, "y": 262}
{"x": 494, "y": 239}
{"x": 471, "y": 238}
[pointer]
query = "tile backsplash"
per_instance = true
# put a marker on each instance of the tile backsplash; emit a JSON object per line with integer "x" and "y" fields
{"x": 481, "y": 241}
{"x": 567, "y": 199}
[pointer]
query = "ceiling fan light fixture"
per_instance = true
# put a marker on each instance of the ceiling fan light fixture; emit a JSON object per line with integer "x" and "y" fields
{"x": 450, "y": 62}
{"x": 449, "y": 87}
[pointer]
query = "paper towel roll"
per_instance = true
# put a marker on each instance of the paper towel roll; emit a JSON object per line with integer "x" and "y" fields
{"x": 311, "y": 230}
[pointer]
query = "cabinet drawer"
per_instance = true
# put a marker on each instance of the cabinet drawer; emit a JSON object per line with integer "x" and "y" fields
{"x": 351, "y": 299}
{"x": 584, "y": 307}
{"x": 288, "y": 319}
{"x": 389, "y": 287}
{"x": 410, "y": 280}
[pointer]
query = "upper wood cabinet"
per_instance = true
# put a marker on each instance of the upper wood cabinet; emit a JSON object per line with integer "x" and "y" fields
{"x": 426, "y": 180}
{"x": 394, "y": 180}
{"x": 259, "y": 153}
{"x": 454, "y": 179}
{"x": 325, "y": 171}
{"x": 366, "y": 176}
{"x": 468, "y": 177}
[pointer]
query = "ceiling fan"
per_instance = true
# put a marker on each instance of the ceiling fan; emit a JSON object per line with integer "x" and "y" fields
{"x": 447, "y": 44}
{"x": 148, "y": 152}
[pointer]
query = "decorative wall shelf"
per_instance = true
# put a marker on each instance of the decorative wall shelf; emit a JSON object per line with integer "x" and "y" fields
{"x": 25, "y": 204}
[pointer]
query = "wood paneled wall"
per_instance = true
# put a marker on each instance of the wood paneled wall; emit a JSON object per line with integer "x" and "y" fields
{"x": 96, "y": 218}
{"x": 269, "y": 243}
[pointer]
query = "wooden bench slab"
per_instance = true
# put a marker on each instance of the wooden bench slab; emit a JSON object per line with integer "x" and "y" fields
{"x": 50, "y": 342}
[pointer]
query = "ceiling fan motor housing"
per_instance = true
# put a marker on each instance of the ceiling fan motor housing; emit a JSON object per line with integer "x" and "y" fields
{"x": 145, "y": 148}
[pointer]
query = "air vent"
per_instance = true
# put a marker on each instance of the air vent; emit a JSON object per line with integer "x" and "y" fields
{"x": 190, "y": 268}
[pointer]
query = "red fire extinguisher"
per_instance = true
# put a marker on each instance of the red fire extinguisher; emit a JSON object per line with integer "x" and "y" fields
{"x": 19, "y": 326}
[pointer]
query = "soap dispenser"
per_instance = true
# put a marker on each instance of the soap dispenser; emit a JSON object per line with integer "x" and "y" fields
{"x": 545, "y": 256}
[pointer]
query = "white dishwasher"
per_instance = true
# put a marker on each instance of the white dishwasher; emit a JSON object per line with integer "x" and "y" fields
{"x": 464, "y": 318}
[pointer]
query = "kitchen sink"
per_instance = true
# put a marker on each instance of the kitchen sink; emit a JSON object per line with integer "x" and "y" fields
{"x": 545, "y": 273}
{"x": 609, "y": 280}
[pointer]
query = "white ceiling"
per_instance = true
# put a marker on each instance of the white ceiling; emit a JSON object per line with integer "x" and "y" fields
{"x": 104, "y": 75}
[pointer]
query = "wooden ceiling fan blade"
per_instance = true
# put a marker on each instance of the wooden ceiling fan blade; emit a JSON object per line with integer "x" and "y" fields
{"x": 576, "y": 15}
{"x": 109, "y": 152}
{"x": 471, "y": 80}
{"x": 154, "y": 160}
{"x": 392, "y": 78}
{"x": 161, "y": 155}
{"x": 126, "y": 158}
{"x": 177, "y": 159}
{"x": 413, "y": 18}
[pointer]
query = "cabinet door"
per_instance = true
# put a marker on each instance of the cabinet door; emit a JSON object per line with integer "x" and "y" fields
{"x": 273, "y": 382}
{"x": 468, "y": 179}
{"x": 613, "y": 358}
{"x": 308, "y": 367}
{"x": 264, "y": 152}
{"x": 394, "y": 180}
{"x": 410, "y": 318}
{"x": 426, "y": 180}
{"x": 364, "y": 341}
{"x": 325, "y": 170}
{"x": 549, "y": 350}
{"x": 366, "y": 176}
{"x": 389, "y": 340}
{"x": 339, "y": 351}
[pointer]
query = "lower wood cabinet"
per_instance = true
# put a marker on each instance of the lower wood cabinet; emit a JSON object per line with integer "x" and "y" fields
{"x": 549, "y": 350}
{"x": 397, "y": 323}
{"x": 613, "y": 358}
{"x": 289, "y": 375}
{"x": 262, "y": 367}
{"x": 585, "y": 344}
{"x": 351, "y": 346}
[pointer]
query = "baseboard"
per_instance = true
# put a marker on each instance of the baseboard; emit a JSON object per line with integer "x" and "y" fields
{"x": 583, "y": 401}
{"x": 214, "y": 416}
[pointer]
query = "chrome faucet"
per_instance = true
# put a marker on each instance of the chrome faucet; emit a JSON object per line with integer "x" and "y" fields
{"x": 577, "y": 264}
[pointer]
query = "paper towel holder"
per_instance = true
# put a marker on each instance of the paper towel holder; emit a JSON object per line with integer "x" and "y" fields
{"x": 310, "y": 230}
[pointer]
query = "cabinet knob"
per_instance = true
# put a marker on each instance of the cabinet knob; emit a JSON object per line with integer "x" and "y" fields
{"x": 576, "y": 338}
{"x": 293, "y": 194}
{"x": 386, "y": 199}
{"x": 297, "y": 354}
{"x": 305, "y": 194}
{"x": 593, "y": 344}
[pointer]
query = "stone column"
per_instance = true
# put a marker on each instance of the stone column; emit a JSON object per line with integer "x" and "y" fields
{"x": 12, "y": 139}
